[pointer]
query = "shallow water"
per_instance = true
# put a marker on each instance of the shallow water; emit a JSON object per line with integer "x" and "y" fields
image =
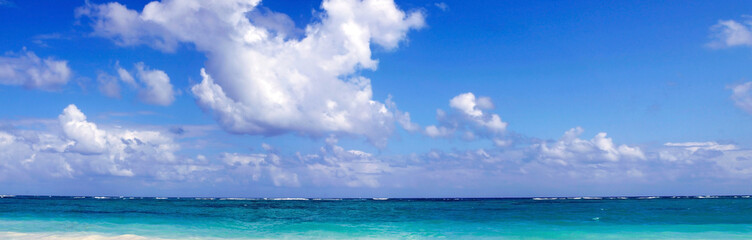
{"x": 23, "y": 217}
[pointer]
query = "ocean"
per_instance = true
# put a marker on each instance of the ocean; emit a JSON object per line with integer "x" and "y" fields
{"x": 43, "y": 217}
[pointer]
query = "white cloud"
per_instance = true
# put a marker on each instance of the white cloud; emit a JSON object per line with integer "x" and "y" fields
{"x": 6, "y": 139}
{"x": 249, "y": 163}
{"x": 30, "y": 71}
{"x": 465, "y": 103}
{"x": 742, "y": 96}
{"x": 276, "y": 23}
{"x": 280, "y": 177}
{"x": 689, "y": 152}
{"x": 502, "y": 142}
{"x": 471, "y": 115}
{"x": 114, "y": 151}
{"x": 403, "y": 118}
{"x": 440, "y": 131}
{"x": 259, "y": 164}
{"x": 598, "y": 161}
{"x": 472, "y": 110}
{"x": 335, "y": 166}
{"x": 88, "y": 139}
{"x": 157, "y": 88}
{"x": 153, "y": 85}
{"x": 125, "y": 26}
{"x": 695, "y": 146}
{"x": 441, "y": 5}
{"x": 570, "y": 148}
{"x": 72, "y": 147}
{"x": 256, "y": 80}
{"x": 22, "y": 153}
{"x": 709, "y": 159}
{"x": 730, "y": 33}
{"x": 126, "y": 77}
{"x": 108, "y": 85}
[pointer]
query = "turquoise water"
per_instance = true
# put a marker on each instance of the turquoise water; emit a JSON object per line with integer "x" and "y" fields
{"x": 606, "y": 218}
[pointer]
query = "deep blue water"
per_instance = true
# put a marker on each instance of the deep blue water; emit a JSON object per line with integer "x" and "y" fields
{"x": 26, "y": 217}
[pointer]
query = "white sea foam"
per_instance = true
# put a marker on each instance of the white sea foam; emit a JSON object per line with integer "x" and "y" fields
{"x": 652, "y": 197}
{"x": 702, "y": 197}
{"x": 287, "y": 199}
{"x": 545, "y": 198}
{"x": 71, "y": 236}
{"x": 380, "y": 199}
{"x": 87, "y": 236}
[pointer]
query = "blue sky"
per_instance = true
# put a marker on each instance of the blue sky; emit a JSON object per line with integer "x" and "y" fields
{"x": 363, "y": 98}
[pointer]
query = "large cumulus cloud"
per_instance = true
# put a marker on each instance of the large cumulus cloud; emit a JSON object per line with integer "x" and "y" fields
{"x": 259, "y": 80}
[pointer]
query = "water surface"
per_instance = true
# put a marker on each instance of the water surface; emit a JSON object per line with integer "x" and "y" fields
{"x": 34, "y": 217}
